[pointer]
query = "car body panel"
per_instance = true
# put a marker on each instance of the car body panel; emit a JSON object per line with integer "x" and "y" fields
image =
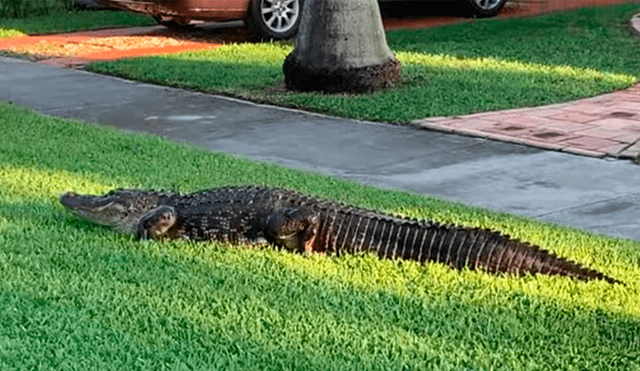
{"x": 201, "y": 10}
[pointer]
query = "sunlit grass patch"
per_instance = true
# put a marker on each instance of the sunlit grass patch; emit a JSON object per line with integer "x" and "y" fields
{"x": 270, "y": 54}
{"x": 84, "y": 297}
{"x": 10, "y": 32}
{"x": 202, "y": 304}
{"x": 22, "y": 183}
{"x": 409, "y": 279}
{"x": 559, "y": 72}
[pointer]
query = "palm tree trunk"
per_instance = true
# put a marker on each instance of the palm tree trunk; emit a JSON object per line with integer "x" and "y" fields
{"x": 341, "y": 47}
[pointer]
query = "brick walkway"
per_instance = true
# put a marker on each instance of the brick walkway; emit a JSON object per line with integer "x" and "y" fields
{"x": 607, "y": 125}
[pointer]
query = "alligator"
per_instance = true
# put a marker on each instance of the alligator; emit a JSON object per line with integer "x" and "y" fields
{"x": 296, "y": 222}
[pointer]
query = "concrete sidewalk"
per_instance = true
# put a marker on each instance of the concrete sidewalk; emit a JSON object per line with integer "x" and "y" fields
{"x": 601, "y": 195}
{"x": 602, "y": 126}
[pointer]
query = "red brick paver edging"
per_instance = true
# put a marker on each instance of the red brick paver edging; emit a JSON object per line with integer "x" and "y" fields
{"x": 604, "y": 126}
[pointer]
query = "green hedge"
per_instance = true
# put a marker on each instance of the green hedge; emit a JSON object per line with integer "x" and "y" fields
{"x": 28, "y": 8}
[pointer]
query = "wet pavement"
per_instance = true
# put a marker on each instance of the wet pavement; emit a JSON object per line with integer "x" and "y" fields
{"x": 585, "y": 192}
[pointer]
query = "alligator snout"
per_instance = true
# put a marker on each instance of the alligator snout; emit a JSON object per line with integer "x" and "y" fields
{"x": 67, "y": 199}
{"x": 75, "y": 201}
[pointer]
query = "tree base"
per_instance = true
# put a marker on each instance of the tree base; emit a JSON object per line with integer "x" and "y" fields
{"x": 340, "y": 80}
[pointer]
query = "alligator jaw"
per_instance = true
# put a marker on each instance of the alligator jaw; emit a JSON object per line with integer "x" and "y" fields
{"x": 119, "y": 209}
{"x": 80, "y": 203}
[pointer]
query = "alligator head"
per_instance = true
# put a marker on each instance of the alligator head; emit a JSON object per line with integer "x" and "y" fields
{"x": 119, "y": 209}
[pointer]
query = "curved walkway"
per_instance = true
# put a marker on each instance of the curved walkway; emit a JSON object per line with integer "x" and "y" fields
{"x": 604, "y": 126}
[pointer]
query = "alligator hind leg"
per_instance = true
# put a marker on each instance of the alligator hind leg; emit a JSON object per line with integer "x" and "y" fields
{"x": 156, "y": 223}
{"x": 293, "y": 228}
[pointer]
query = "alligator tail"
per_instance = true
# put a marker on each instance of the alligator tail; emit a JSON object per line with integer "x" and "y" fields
{"x": 497, "y": 253}
{"x": 352, "y": 231}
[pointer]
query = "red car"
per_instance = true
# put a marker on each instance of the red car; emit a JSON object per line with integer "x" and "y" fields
{"x": 269, "y": 19}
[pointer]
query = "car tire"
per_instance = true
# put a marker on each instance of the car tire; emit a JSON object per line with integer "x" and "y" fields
{"x": 275, "y": 19}
{"x": 484, "y": 8}
{"x": 174, "y": 23}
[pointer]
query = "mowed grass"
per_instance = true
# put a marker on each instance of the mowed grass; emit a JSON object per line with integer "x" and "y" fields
{"x": 476, "y": 66}
{"x": 74, "y": 295}
{"x": 68, "y": 21}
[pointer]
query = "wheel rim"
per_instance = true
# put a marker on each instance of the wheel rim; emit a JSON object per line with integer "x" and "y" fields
{"x": 280, "y": 15}
{"x": 487, "y": 4}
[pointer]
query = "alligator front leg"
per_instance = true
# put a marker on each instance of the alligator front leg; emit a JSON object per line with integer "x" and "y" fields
{"x": 156, "y": 223}
{"x": 294, "y": 228}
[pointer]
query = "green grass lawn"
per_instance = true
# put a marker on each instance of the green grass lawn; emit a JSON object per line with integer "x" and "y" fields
{"x": 71, "y": 21}
{"x": 76, "y": 296}
{"x": 481, "y": 65}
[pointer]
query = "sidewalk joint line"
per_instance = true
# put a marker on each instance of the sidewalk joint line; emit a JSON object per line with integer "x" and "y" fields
{"x": 567, "y": 208}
